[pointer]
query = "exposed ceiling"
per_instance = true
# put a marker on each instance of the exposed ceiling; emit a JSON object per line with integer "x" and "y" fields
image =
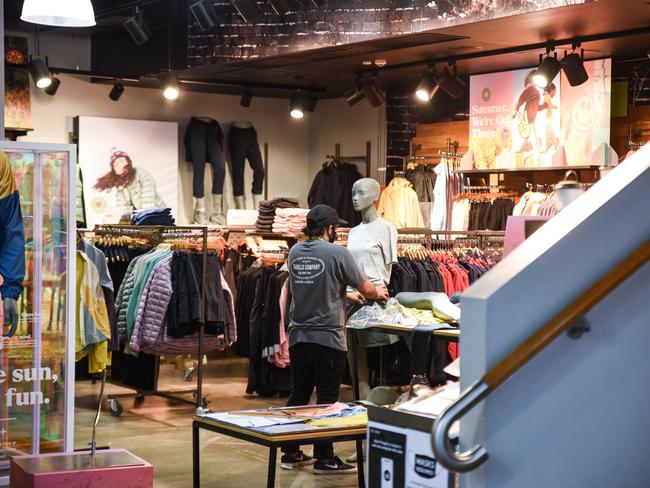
{"x": 334, "y": 68}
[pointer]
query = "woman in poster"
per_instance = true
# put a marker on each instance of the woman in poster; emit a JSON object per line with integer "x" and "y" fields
{"x": 135, "y": 186}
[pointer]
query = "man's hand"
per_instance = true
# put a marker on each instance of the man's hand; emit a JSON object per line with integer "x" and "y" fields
{"x": 356, "y": 297}
{"x": 10, "y": 307}
{"x": 382, "y": 292}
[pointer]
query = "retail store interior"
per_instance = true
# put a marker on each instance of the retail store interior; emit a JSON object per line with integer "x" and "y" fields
{"x": 172, "y": 172}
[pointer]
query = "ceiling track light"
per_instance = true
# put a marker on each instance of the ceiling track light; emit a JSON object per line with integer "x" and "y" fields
{"x": 54, "y": 86}
{"x": 116, "y": 92}
{"x": 427, "y": 87}
{"x": 71, "y": 13}
{"x": 297, "y": 104}
{"x": 248, "y": 9}
{"x": 281, "y": 7}
{"x": 574, "y": 67}
{"x": 354, "y": 96}
{"x": 137, "y": 27}
{"x": 204, "y": 14}
{"x": 548, "y": 69}
{"x": 451, "y": 83}
{"x": 40, "y": 73}
{"x": 310, "y": 104}
{"x": 246, "y": 98}
{"x": 169, "y": 85}
{"x": 373, "y": 93}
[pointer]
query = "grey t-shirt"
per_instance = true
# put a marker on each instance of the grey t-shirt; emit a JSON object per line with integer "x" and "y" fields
{"x": 319, "y": 273}
{"x": 374, "y": 248}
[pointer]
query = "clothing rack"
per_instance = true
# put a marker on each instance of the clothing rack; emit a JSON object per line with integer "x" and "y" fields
{"x": 430, "y": 236}
{"x": 156, "y": 233}
{"x": 351, "y": 159}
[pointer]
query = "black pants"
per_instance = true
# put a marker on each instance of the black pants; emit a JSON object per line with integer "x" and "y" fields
{"x": 243, "y": 145}
{"x": 314, "y": 365}
{"x": 206, "y": 144}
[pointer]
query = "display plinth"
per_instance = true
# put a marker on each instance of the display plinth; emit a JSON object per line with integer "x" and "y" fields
{"x": 107, "y": 469}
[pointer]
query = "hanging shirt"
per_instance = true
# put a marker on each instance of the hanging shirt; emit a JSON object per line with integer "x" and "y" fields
{"x": 12, "y": 238}
{"x": 374, "y": 248}
{"x": 439, "y": 212}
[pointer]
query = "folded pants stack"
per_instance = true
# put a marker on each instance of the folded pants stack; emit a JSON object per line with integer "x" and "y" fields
{"x": 290, "y": 221}
{"x": 267, "y": 210}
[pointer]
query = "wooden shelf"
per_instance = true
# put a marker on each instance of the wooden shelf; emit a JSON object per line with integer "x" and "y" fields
{"x": 530, "y": 170}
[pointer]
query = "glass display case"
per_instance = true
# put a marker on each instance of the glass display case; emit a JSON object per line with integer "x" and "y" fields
{"x": 37, "y": 362}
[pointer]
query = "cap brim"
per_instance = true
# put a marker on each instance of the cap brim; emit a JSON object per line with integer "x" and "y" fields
{"x": 342, "y": 222}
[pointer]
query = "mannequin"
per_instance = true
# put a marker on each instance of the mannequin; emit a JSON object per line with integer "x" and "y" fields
{"x": 12, "y": 246}
{"x": 243, "y": 145}
{"x": 373, "y": 244}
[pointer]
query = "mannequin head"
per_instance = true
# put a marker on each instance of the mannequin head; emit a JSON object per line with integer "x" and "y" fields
{"x": 365, "y": 194}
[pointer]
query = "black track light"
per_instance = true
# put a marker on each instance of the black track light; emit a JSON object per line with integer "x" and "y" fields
{"x": 298, "y": 103}
{"x": 451, "y": 84}
{"x": 547, "y": 71}
{"x": 574, "y": 69}
{"x": 427, "y": 87}
{"x": 40, "y": 73}
{"x": 248, "y": 9}
{"x": 116, "y": 92}
{"x": 373, "y": 93}
{"x": 354, "y": 96}
{"x": 169, "y": 85}
{"x": 204, "y": 14}
{"x": 54, "y": 86}
{"x": 310, "y": 104}
{"x": 246, "y": 98}
{"x": 137, "y": 28}
{"x": 281, "y": 7}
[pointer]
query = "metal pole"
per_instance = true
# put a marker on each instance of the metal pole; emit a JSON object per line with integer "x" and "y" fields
{"x": 204, "y": 316}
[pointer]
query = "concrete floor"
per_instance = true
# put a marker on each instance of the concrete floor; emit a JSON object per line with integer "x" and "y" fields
{"x": 159, "y": 431}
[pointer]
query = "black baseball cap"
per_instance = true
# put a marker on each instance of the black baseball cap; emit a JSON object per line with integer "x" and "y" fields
{"x": 324, "y": 216}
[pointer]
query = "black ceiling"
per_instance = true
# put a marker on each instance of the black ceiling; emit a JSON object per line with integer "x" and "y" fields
{"x": 333, "y": 69}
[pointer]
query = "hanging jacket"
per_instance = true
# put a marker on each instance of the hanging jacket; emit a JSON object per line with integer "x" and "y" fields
{"x": 333, "y": 186}
{"x": 12, "y": 238}
{"x": 399, "y": 204}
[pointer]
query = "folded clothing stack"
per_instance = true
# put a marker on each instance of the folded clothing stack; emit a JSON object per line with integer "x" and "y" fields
{"x": 290, "y": 221}
{"x": 153, "y": 216}
{"x": 267, "y": 210}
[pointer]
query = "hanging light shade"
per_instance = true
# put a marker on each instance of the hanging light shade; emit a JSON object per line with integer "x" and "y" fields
{"x": 169, "y": 85}
{"x": 68, "y": 13}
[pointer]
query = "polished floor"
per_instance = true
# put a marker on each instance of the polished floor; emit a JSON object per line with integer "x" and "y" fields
{"x": 159, "y": 431}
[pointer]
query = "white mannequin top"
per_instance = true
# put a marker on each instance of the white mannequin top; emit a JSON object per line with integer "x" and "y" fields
{"x": 374, "y": 247}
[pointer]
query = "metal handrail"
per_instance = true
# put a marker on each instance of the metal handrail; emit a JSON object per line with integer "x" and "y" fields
{"x": 473, "y": 395}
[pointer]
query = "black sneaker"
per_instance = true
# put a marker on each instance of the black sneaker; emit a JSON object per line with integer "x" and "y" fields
{"x": 293, "y": 461}
{"x": 333, "y": 467}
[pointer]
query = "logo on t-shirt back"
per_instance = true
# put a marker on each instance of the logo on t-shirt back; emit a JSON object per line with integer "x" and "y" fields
{"x": 306, "y": 269}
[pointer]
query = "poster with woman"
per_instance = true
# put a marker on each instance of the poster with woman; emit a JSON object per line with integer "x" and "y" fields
{"x": 516, "y": 124}
{"x": 126, "y": 165}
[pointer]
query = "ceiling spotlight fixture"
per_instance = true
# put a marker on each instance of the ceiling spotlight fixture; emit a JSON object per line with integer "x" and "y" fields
{"x": 427, "y": 87}
{"x": 354, "y": 96}
{"x": 310, "y": 104}
{"x": 54, "y": 86}
{"x": 281, "y": 7}
{"x": 116, "y": 92}
{"x": 298, "y": 102}
{"x": 246, "y": 98}
{"x": 373, "y": 93}
{"x": 40, "y": 73}
{"x": 204, "y": 14}
{"x": 248, "y": 9}
{"x": 574, "y": 67}
{"x": 547, "y": 71}
{"x": 169, "y": 85}
{"x": 451, "y": 83}
{"x": 71, "y": 13}
{"x": 137, "y": 27}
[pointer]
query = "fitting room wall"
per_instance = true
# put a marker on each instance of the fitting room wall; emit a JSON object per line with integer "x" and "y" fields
{"x": 288, "y": 139}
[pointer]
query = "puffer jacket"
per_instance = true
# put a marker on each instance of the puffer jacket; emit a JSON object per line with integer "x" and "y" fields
{"x": 123, "y": 295}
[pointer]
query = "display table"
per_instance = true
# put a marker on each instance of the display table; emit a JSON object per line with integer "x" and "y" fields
{"x": 447, "y": 333}
{"x": 274, "y": 437}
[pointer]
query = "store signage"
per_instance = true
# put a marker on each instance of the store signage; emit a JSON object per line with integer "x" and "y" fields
{"x": 515, "y": 124}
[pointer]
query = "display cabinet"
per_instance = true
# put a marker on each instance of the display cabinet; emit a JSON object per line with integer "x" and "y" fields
{"x": 37, "y": 363}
